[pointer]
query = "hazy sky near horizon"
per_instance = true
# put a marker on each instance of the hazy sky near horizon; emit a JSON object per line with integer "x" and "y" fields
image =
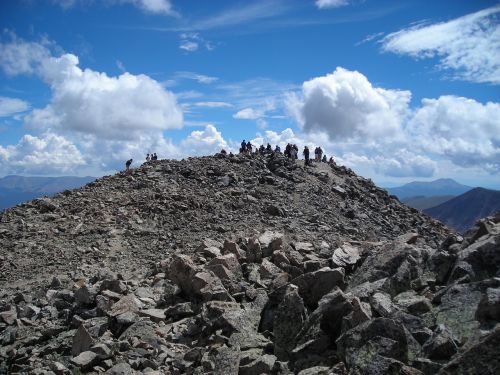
{"x": 396, "y": 90}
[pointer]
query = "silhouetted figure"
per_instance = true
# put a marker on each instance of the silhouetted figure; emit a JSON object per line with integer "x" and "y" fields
{"x": 296, "y": 153}
{"x": 127, "y": 165}
{"x": 249, "y": 147}
{"x": 277, "y": 149}
{"x": 243, "y": 148}
{"x": 306, "y": 154}
{"x": 148, "y": 158}
{"x": 269, "y": 149}
{"x": 288, "y": 148}
{"x": 324, "y": 159}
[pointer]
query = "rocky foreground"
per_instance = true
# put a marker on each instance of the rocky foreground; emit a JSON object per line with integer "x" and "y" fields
{"x": 244, "y": 266}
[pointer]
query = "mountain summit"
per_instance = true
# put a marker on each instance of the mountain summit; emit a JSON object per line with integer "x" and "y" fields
{"x": 440, "y": 187}
{"x": 243, "y": 265}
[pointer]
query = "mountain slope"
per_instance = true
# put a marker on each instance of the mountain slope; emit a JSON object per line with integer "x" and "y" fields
{"x": 461, "y": 212}
{"x": 243, "y": 265}
{"x": 421, "y": 202}
{"x": 129, "y": 219}
{"x": 442, "y": 186}
{"x": 18, "y": 189}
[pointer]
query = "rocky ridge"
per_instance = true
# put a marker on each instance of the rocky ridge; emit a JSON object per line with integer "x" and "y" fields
{"x": 244, "y": 266}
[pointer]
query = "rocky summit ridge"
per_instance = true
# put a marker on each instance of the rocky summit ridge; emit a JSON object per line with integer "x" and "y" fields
{"x": 243, "y": 265}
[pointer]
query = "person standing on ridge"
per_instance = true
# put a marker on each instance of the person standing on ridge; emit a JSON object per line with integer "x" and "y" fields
{"x": 127, "y": 165}
{"x": 148, "y": 158}
{"x": 306, "y": 154}
{"x": 243, "y": 147}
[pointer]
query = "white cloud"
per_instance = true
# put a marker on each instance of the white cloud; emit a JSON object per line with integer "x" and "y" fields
{"x": 248, "y": 114}
{"x": 463, "y": 130}
{"x": 200, "y": 78}
{"x": 12, "y": 106}
{"x": 204, "y": 142}
{"x": 188, "y": 45}
{"x": 405, "y": 164}
{"x": 345, "y": 114}
{"x": 191, "y": 42}
{"x": 47, "y": 154}
{"x": 346, "y": 105}
{"x": 324, "y": 4}
{"x": 469, "y": 45}
{"x": 154, "y": 6}
{"x": 91, "y": 102}
{"x": 213, "y": 104}
{"x": 149, "y": 6}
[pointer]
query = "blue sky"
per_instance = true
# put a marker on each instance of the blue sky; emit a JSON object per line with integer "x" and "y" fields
{"x": 398, "y": 91}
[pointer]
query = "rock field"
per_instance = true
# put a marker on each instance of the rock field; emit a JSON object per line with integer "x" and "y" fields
{"x": 243, "y": 265}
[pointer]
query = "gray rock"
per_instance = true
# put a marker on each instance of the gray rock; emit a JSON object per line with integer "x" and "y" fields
{"x": 483, "y": 358}
{"x": 287, "y": 323}
{"x": 121, "y": 369}
{"x": 441, "y": 346}
{"x": 82, "y": 341}
{"x": 227, "y": 361}
{"x": 84, "y": 360}
{"x": 489, "y": 306}
{"x": 313, "y": 286}
{"x": 346, "y": 256}
{"x": 262, "y": 365}
{"x": 382, "y": 304}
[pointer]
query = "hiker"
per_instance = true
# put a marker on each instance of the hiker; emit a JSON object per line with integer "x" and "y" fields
{"x": 249, "y": 147}
{"x": 316, "y": 154}
{"x": 277, "y": 149}
{"x": 293, "y": 153}
{"x": 223, "y": 152}
{"x": 288, "y": 148}
{"x": 296, "y": 153}
{"x": 269, "y": 149}
{"x": 243, "y": 148}
{"x": 155, "y": 157}
{"x": 261, "y": 149}
{"x": 331, "y": 161}
{"x": 320, "y": 153}
{"x": 324, "y": 159}
{"x": 127, "y": 165}
{"x": 306, "y": 154}
{"x": 148, "y": 158}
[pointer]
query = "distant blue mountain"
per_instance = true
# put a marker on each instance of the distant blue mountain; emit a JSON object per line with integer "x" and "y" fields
{"x": 443, "y": 186}
{"x": 461, "y": 212}
{"x": 19, "y": 189}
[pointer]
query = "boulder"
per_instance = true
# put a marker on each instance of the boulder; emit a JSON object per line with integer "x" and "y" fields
{"x": 270, "y": 241}
{"x": 346, "y": 256}
{"x": 488, "y": 309}
{"x": 482, "y": 358}
{"x": 82, "y": 341}
{"x": 313, "y": 286}
{"x": 441, "y": 346}
{"x": 289, "y": 316}
{"x": 85, "y": 360}
{"x": 262, "y": 365}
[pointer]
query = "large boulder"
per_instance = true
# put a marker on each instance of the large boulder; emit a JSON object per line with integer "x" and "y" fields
{"x": 288, "y": 319}
{"x": 314, "y": 285}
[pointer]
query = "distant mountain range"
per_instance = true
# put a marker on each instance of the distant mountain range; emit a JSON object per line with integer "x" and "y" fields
{"x": 421, "y": 202}
{"x": 441, "y": 187}
{"x": 19, "y": 189}
{"x": 461, "y": 212}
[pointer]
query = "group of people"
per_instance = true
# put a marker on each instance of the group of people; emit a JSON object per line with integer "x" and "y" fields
{"x": 291, "y": 151}
{"x": 151, "y": 157}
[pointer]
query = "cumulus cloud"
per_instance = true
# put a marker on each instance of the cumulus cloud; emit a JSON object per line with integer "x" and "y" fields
{"x": 469, "y": 46}
{"x": 92, "y": 102}
{"x": 463, "y": 130}
{"x": 379, "y": 128}
{"x": 12, "y": 106}
{"x": 324, "y": 4}
{"x": 346, "y": 105}
{"x": 204, "y": 142}
{"x": 405, "y": 164}
{"x": 46, "y": 154}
